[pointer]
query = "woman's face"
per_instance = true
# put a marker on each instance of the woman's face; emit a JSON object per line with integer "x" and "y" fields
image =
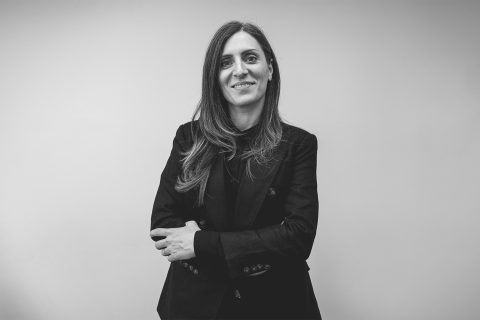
{"x": 244, "y": 71}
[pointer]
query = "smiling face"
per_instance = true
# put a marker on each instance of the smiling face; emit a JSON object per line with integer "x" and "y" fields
{"x": 244, "y": 72}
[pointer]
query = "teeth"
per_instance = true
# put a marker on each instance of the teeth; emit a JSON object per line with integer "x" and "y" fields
{"x": 243, "y": 85}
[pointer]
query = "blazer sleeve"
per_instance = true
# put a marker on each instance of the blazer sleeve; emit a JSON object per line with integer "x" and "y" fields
{"x": 290, "y": 240}
{"x": 168, "y": 210}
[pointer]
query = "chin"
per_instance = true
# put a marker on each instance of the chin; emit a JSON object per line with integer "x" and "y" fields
{"x": 244, "y": 105}
{"x": 243, "y": 102}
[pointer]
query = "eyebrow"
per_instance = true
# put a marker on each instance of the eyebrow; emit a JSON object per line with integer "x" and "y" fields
{"x": 244, "y": 52}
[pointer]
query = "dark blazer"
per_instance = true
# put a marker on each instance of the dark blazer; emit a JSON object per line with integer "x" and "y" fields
{"x": 275, "y": 221}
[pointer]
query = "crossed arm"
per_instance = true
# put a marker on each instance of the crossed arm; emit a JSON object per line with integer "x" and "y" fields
{"x": 292, "y": 239}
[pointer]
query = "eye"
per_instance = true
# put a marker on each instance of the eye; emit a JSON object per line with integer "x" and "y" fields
{"x": 225, "y": 63}
{"x": 251, "y": 58}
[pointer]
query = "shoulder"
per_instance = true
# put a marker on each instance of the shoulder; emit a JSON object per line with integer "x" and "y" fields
{"x": 186, "y": 131}
{"x": 184, "y": 136}
{"x": 296, "y": 136}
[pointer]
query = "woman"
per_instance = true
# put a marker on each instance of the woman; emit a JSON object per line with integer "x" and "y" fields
{"x": 236, "y": 211}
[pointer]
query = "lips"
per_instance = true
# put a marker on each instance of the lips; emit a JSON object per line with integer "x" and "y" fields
{"x": 242, "y": 84}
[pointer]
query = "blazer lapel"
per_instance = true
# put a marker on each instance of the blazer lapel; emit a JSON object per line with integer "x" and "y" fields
{"x": 251, "y": 193}
{"x": 215, "y": 196}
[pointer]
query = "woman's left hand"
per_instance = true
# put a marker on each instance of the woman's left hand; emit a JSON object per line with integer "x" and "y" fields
{"x": 178, "y": 242}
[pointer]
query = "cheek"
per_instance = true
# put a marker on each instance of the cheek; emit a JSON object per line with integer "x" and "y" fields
{"x": 262, "y": 75}
{"x": 223, "y": 78}
{"x": 263, "y": 88}
{"x": 223, "y": 84}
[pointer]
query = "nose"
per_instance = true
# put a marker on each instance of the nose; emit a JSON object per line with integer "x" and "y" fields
{"x": 239, "y": 69}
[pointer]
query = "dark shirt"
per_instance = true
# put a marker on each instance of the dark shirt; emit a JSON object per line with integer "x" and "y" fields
{"x": 207, "y": 243}
{"x": 234, "y": 169}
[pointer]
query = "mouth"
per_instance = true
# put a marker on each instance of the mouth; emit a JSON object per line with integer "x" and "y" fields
{"x": 242, "y": 84}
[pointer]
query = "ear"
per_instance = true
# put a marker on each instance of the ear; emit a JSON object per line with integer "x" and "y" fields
{"x": 270, "y": 70}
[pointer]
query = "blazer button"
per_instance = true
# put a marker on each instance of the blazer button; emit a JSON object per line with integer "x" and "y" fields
{"x": 185, "y": 265}
{"x": 271, "y": 192}
{"x": 195, "y": 271}
{"x": 246, "y": 270}
{"x": 190, "y": 267}
{"x": 202, "y": 223}
{"x": 237, "y": 294}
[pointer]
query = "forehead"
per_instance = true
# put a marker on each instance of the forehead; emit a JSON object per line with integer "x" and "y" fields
{"x": 240, "y": 42}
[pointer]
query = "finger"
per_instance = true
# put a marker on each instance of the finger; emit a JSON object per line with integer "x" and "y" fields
{"x": 192, "y": 224}
{"x": 161, "y": 244}
{"x": 173, "y": 257}
{"x": 160, "y": 232}
{"x": 165, "y": 252}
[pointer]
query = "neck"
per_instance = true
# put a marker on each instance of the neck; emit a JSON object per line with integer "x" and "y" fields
{"x": 245, "y": 117}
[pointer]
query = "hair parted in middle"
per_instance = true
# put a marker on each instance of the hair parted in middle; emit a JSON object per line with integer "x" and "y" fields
{"x": 216, "y": 132}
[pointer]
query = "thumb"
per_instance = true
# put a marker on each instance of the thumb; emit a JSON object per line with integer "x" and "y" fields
{"x": 192, "y": 224}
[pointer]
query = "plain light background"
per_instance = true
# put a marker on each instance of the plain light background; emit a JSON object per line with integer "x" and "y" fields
{"x": 91, "y": 93}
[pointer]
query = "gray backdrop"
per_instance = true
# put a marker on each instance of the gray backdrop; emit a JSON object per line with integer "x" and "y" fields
{"x": 91, "y": 93}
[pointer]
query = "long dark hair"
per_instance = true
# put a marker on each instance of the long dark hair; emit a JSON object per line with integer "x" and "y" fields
{"x": 215, "y": 132}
